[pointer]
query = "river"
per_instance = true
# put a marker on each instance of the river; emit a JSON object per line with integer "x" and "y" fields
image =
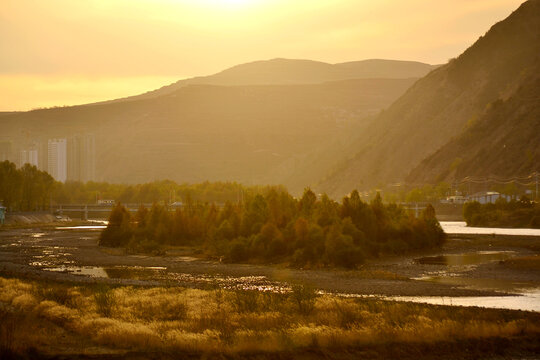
{"x": 74, "y": 250}
{"x": 460, "y": 227}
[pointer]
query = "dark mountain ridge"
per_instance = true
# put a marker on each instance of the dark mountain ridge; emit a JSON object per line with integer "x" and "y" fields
{"x": 443, "y": 104}
{"x": 503, "y": 142}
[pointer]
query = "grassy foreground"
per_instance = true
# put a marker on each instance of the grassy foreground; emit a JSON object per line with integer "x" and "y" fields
{"x": 42, "y": 319}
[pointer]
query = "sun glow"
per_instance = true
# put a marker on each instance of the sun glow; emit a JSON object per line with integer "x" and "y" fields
{"x": 231, "y": 4}
{"x": 236, "y": 2}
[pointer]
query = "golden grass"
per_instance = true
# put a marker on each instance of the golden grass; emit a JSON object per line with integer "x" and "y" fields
{"x": 234, "y": 322}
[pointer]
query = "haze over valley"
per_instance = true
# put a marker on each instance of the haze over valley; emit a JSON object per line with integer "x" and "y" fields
{"x": 335, "y": 179}
{"x": 255, "y": 134}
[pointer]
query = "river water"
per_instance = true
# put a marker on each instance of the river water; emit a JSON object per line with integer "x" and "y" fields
{"x": 525, "y": 296}
{"x": 528, "y": 300}
{"x": 449, "y": 227}
{"x": 460, "y": 227}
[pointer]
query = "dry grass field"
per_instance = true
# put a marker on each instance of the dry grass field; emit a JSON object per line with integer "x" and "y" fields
{"x": 47, "y": 319}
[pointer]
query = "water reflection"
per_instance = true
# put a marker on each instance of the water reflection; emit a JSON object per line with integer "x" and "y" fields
{"x": 135, "y": 272}
{"x": 476, "y": 258}
{"x": 500, "y": 285}
{"x": 82, "y": 227}
{"x": 157, "y": 273}
{"x": 91, "y": 271}
{"x": 460, "y": 227}
{"x": 529, "y": 300}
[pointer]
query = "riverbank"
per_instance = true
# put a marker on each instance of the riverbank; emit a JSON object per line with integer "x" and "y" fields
{"x": 72, "y": 255}
{"x": 32, "y": 219}
{"x": 46, "y": 223}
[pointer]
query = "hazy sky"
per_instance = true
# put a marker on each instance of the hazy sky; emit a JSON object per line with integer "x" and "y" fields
{"x": 63, "y": 52}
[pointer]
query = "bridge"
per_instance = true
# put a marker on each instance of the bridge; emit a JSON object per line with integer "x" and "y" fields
{"x": 103, "y": 210}
{"x": 85, "y": 210}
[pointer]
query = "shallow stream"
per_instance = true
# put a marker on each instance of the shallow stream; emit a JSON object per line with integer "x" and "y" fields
{"x": 449, "y": 269}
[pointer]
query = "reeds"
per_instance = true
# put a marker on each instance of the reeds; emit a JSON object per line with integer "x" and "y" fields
{"x": 235, "y": 321}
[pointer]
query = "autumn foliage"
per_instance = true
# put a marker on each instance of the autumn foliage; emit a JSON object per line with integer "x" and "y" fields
{"x": 276, "y": 227}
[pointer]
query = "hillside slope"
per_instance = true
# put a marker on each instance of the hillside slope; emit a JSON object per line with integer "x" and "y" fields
{"x": 291, "y": 71}
{"x": 251, "y": 134}
{"x": 439, "y": 106}
{"x": 505, "y": 141}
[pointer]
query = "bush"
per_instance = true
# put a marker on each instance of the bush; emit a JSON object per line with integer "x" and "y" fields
{"x": 58, "y": 294}
{"x": 304, "y": 298}
{"x": 246, "y": 300}
{"x": 105, "y": 301}
{"x": 238, "y": 250}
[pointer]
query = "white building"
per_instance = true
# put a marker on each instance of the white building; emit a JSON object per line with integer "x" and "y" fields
{"x": 487, "y": 197}
{"x": 28, "y": 157}
{"x": 57, "y": 159}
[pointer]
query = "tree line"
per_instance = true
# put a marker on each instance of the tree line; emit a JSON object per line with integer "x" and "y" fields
{"x": 25, "y": 189}
{"x": 29, "y": 189}
{"x": 274, "y": 226}
{"x": 163, "y": 191}
{"x": 522, "y": 213}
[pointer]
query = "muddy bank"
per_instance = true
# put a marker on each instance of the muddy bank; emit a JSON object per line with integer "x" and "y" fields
{"x": 26, "y": 218}
{"x": 73, "y": 255}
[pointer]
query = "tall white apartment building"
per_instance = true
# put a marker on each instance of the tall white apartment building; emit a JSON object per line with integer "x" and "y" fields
{"x": 57, "y": 159}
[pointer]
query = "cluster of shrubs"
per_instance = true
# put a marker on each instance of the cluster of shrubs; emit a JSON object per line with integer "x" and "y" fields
{"x": 276, "y": 227}
{"x": 522, "y": 213}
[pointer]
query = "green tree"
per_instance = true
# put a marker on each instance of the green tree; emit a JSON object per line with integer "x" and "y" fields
{"x": 118, "y": 232}
{"x": 307, "y": 203}
{"x": 10, "y": 184}
{"x": 255, "y": 216}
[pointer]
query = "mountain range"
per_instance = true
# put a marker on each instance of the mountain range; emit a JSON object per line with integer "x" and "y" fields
{"x": 293, "y": 71}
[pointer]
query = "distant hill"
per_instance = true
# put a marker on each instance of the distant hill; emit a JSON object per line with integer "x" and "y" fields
{"x": 289, "y": 71}
{"x": 252, "y": 134}
{"x": 448, "y": 102}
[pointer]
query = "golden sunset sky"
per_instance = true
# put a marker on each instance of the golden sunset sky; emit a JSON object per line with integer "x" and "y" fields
{"x": 65, "y": 52}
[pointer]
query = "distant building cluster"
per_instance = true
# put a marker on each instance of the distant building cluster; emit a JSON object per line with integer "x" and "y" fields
{"x": 483, "y": 197}
{"x": 65, "y": 159}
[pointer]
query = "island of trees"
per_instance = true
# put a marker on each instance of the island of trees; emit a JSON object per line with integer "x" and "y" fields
{"x": 522, "y": 213}
{"x": 276, "y": 227}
